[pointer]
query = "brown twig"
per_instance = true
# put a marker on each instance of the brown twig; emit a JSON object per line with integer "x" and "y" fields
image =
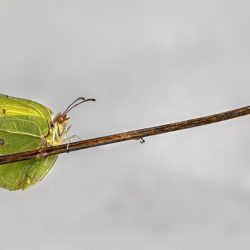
{"x": 130, "y": 135}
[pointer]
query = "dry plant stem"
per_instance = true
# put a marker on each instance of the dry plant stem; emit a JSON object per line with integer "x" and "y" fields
{"x": 130, "y": 135}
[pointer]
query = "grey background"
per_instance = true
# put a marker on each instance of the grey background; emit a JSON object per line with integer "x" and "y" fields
{"x": 146, "y": 63}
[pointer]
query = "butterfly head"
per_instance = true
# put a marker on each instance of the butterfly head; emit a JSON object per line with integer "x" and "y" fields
{"x": 61, "y": 118}
{"x": 59, "y": 127}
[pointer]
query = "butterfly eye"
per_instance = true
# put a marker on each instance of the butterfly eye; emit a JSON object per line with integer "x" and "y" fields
{"x": 61, "y": 119}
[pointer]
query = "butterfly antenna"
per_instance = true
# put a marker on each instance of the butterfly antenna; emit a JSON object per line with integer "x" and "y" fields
{"x": 77, "y": 102}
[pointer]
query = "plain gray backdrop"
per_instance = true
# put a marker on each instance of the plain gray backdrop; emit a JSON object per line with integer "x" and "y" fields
{"x": 147, "y": 63}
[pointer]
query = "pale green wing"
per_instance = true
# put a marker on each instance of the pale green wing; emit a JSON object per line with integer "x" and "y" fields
{"x": 23, "y": 126}
{"x": 24, "y": 174}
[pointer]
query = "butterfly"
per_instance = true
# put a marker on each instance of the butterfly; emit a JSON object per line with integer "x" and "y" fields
{"x": 28, "y": 125}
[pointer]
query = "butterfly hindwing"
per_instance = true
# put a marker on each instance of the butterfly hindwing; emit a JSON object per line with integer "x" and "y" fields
{"x": 24, "y": 174}
{"x": 38, "y": 170}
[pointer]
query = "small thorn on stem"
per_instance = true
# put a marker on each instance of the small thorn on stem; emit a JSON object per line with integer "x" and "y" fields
{"x": 141, "y": 140}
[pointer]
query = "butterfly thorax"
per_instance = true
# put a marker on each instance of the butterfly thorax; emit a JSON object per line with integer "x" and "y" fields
{"x": 58, "y": 130}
